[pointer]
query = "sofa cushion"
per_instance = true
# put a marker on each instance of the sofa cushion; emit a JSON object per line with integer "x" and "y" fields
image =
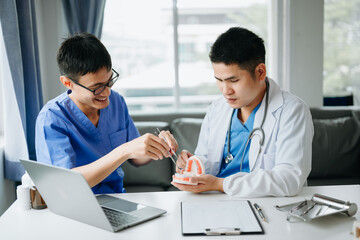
{"x": 333, "y": 181}
{"x": 330, "y": 112}
{"x": 186, "y": 131}
{"x": 155, "y": 173}
{"x": 142, "y": 188}
{"x": 336, "y": 151}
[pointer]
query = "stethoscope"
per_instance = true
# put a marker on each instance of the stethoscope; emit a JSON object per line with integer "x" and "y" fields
{"x": 229, "y": 156}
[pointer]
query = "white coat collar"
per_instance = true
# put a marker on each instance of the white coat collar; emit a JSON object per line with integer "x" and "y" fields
{"x": 223, "y": 114}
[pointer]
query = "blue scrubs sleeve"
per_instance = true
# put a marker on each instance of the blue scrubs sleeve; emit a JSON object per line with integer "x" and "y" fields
{"x": 53, "y": 145}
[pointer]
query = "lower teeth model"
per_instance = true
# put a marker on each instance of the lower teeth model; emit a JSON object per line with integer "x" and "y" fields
{"x": 194, "y": 167}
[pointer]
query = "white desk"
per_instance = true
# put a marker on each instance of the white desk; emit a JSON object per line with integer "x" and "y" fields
{"x": 43, "y": 224}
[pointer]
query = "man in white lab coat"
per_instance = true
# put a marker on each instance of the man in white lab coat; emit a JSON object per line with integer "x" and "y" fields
{"x": 256, "y": 139}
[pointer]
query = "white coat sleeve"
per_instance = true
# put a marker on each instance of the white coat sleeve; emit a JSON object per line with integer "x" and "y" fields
{"x": 292, "y": 158}
{"x": 202, "y": 146}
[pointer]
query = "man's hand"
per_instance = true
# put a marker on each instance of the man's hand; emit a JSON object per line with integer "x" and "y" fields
{"x": 182, "y": 159}
{"x": 170, "y": 140}
{"x": 145, "y": 147}
{"x": 205, "y": 183}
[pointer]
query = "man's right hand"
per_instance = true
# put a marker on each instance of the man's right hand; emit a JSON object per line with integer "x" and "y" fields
{"x": 140, "y": 150}
{"x": 146, "y": 147}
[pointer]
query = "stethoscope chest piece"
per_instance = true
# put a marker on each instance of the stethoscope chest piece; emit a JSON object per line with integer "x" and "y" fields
{"x": 229, "y": 158}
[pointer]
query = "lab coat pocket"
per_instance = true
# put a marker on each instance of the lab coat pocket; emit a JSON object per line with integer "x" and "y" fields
{"x": 212, "y": 168}
{"x": 269, "y": 160}
{"x": 118, "y": 138}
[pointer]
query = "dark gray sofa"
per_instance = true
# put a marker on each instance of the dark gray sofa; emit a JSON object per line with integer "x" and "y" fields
{"x": 336, "y": 148}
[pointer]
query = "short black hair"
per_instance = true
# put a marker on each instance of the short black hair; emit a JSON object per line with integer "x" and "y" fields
{"x": 80, "y": 54}
{"x": 238, "y": 46}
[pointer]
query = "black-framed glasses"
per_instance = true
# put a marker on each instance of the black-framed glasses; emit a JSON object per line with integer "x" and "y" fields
{"x": 101, "y": 88}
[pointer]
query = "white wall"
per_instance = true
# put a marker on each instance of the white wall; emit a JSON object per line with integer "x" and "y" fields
{"x": 7, "y": 188}
{"x": 1, "y": 109}
{"x": 296, "y": 53}
{"x": 305, "y": 69}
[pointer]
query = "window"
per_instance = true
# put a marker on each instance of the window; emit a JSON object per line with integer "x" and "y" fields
{"x": 142, "y": 37}
{"x": 341, "y": 48}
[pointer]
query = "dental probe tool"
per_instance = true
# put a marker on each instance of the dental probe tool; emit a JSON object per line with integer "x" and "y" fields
{"x": 171, "y": 150}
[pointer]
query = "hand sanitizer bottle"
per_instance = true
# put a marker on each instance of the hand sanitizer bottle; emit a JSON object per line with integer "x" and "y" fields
{"x": 23, "y": 193}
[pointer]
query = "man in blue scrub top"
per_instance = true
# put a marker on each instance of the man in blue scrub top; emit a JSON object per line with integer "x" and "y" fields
{"x": 88, "y": 128}
{"x": 275, "y": 160}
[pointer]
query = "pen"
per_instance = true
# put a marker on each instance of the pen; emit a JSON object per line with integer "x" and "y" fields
{"x": 259, "y": 210}
{"x": 171, "y": 151}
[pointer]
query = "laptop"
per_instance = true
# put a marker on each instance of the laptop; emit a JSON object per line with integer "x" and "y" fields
{"x": 68, "y": 194}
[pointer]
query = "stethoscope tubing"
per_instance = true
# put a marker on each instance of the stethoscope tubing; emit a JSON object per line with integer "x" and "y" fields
{"x": 229, "y": 156}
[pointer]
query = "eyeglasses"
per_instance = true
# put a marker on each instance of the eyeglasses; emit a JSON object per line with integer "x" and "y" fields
{"x": 101, "y": 88}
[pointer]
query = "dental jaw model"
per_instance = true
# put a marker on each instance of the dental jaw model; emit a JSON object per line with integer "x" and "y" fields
{"x": 194, "y": 167}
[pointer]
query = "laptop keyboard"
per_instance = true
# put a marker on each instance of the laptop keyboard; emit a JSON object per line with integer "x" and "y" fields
{"x": 117, "y": 219}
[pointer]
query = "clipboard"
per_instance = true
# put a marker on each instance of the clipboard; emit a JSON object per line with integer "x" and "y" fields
{"x": 220, "y": 217}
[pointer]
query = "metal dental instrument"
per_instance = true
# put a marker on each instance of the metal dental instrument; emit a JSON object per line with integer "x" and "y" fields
{"x": 298, "y": 206}
{"x": 171, "y": 150}
{"x": 308, "y": 209}
{"x": 319, "y": 211}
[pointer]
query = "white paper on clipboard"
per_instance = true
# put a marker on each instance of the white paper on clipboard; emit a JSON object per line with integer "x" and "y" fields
{"x": 221, "y": 214}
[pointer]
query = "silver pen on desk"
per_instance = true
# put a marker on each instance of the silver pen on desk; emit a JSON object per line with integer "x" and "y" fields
{"x": 171, "y": 150}
{"x": 260, "y": 212}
